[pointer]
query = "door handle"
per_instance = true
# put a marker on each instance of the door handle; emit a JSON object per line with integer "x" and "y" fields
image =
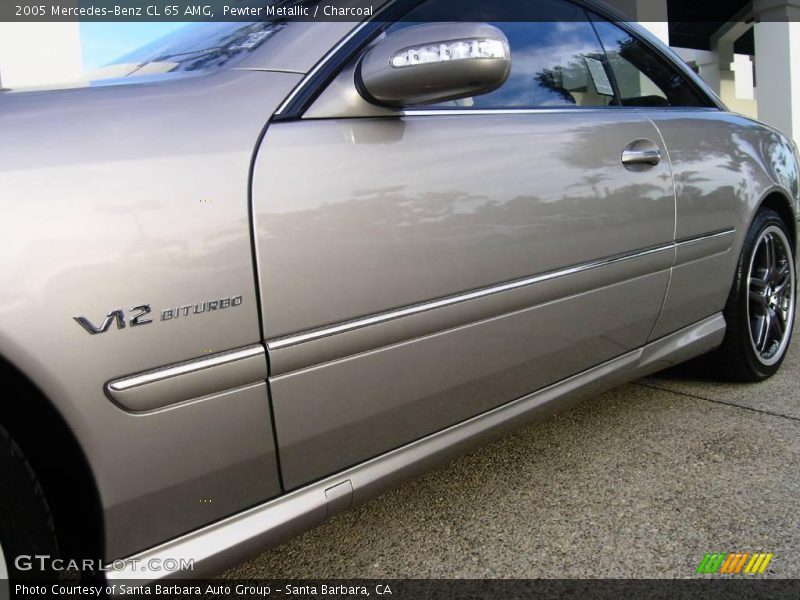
{"x": 641, "y": 152}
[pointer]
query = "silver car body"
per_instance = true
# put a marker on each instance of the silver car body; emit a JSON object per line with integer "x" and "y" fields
{"x": 381, "y": 301}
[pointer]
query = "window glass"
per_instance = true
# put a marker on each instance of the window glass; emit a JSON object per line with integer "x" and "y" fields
{"x": 643, "y": 78}
{"x": 556, "y": 57}
{"x": 201, "y": 46}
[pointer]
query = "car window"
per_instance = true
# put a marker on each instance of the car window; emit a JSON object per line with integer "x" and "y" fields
{"x": 202, "y": 46}
{"x": 556, "y": 58}
{"x": 643, "y": 77}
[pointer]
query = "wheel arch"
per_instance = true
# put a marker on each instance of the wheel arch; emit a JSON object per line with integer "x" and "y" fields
{"x": 780, "y": 203}
{"x": 59, "y": 463}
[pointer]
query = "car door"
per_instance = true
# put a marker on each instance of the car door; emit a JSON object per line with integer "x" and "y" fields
{"x": 715, "y": 178}
{"x": 419, "y": 267}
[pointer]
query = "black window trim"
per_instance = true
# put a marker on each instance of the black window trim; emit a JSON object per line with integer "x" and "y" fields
{"x": 326, "y": 70}
{"x": 329, "y": 67}
{"x": 689, "y": 76}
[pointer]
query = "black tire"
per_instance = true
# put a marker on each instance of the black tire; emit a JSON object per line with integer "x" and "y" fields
{"x": 748, "y": 352}
{"x": 26, "y": 525}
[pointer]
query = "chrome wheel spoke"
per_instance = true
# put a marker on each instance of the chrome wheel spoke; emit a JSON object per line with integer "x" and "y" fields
{"x": 759, "y": 282}
{"x": 770, "y": 295}
{"x": 778, "y": 324}
{"x": 758, "y": 285}
{"x": 761, "y": 331}
{"x": 782, "y": 278}
{"x": 758, "y": 299}
{"x": 783, "y": 272}
{"x": 769, "y": 248}
{"x": 758, "y": 292}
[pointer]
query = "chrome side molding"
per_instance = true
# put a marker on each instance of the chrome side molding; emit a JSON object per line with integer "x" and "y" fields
{"x": 414, "y": 309}
{"x": 223, "y": 544}
{"x": 705, "y": 237}
{"x": 454, "y": 112}
{"x": 183, "y": 381}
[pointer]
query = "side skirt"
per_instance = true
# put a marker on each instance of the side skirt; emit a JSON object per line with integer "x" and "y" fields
{"x": 235, "y": 539}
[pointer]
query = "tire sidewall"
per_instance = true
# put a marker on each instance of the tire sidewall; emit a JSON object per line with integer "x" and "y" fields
{"x": 26, "y": 527}
{"x": 763, "y": 221}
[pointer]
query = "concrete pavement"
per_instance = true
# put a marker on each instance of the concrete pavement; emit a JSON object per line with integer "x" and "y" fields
{"x": 638, "y": 482}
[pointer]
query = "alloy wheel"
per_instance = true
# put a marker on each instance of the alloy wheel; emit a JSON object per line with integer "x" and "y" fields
{"x": 771, "y": 295}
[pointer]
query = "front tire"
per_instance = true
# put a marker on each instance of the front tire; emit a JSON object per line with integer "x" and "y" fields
{"x": 26, "y": 525}
{"x": 761, "y": 306}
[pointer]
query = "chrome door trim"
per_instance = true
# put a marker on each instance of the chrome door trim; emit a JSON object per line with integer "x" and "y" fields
{"x": 430, "y": 112}
{"x": 700, "y": 248}
{"x": 175, "y": 383}
{"x": 705, "y": 237}
{"x": 390, "y": 315}
{"x": 299, "y": 338}
{"x": 456, "y": 112}
{"x": 448, "y": 112}
{"x": 228, "y": 542}
{"x": 185, "y": 368}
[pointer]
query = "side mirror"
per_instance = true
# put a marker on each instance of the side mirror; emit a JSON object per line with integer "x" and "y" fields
{"x": 434, "y": 62}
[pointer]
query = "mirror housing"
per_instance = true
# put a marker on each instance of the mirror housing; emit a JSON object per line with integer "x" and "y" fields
{"x": 434, "y": 62}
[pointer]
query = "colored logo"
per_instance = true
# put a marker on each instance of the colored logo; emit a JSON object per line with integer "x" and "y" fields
{"x": 735, "y": 563}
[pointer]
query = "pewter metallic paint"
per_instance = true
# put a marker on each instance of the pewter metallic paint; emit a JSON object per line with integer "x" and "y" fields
{"x": 124, "y": 195}
{"x": 138, "y": 193}
{"x": 221, "y": 545}
{"x": 388, "y": 85}
{"x": 435, "y": 205}
{"x": 432, "y": 207}
{"x": 723, "y": 169}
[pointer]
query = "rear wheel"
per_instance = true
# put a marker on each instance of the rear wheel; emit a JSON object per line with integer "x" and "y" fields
{"x": 761, "y": 306}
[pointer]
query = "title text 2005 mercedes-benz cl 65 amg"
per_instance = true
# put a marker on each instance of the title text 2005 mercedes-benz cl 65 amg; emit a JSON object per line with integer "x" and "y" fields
{"x": 263, "y": 271}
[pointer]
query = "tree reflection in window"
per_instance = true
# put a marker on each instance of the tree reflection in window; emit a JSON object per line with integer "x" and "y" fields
{"x": 550, "y": 41}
